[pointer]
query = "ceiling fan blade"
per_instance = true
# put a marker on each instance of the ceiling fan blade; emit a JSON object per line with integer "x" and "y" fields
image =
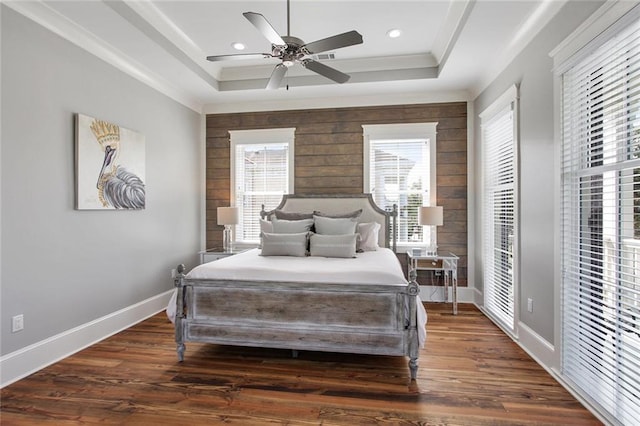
{"x": 276, "y": 77}
{"x": 239, "y": 56}
{"x": 335, "y": 42}
{"x": 261, "y": 23}
{"x": 322, "y": 69}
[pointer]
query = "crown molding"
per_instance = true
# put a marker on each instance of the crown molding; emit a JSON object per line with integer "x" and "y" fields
{"x": 409, "y": 98}
{"x": 44, "y": 15}
{"x": 539, "y": 19}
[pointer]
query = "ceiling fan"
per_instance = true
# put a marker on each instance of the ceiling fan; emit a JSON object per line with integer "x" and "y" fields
{"x": 292, "y": 50}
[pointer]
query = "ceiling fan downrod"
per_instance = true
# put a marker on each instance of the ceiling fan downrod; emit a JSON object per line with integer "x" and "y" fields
{"x": 288, "y": 19}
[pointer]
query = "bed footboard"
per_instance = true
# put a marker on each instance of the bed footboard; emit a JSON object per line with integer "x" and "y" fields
{"x": 367, "y": 319}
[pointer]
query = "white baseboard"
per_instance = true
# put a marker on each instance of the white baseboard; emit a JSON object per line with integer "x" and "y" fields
{"x": 28, "y": 360}
{"x": 536, "y": 346}
{"x": 432, "y": 293}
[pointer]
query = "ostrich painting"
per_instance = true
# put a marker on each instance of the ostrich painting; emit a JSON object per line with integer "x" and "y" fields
{"x": 115, "y": 184}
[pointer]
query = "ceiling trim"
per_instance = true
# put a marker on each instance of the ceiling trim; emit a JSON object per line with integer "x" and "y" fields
{"x": 149, "y": 21}
{"x": 49, "y": 18}
{"x": 422, "y": 97}
{"x": 528, "y": 30}
{"x": 447, "y": 38}
{"x": 318, "y": 80}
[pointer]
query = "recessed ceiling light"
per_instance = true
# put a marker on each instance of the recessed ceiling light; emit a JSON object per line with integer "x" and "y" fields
{"x": 394, "y": 33}
{"x": 238, "y": 46}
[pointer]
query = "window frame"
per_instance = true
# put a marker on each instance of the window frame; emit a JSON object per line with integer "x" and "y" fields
{"x": 403, "y": 131}
{"x": 509, "y": 99}
{"x": 259, "y": 137}
{"x": 603, "y": 26}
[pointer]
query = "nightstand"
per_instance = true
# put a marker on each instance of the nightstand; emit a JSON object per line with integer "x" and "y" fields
{"x": 209, "y": 255}
{"x": 441, "y": 261}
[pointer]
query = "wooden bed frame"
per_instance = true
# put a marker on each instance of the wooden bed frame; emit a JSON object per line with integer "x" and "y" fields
{"x": 364, "y": 319}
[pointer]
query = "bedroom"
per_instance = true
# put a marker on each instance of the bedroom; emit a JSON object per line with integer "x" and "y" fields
{"x": 99, "y": 272}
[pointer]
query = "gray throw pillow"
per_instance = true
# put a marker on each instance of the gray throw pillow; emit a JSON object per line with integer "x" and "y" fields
{"x": 292, "y": 215}
{"x": 335, "y": 226}
{"x": 291, "y": 226}
{"x": 333, "y": 245}
{"x": 354, "y": 214}
{"x": 284, "y": 244}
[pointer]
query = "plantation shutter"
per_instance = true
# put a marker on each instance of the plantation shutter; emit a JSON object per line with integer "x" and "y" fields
{"x": 498, "y": 136}
{"x": 601, "y": 225}
{"x": 262, "y": 175}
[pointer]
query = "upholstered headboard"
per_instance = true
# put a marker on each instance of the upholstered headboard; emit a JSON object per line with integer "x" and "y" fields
{"x": 334, "y": 204}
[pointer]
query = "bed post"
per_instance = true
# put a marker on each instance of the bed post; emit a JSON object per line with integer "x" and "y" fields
{"x": 413, "y": 290}
{"x": 179, "y": 284}
{"x": 394, "y": 227}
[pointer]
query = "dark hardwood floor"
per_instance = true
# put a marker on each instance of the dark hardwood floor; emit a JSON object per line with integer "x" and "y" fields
{"x": 470, "y": 374}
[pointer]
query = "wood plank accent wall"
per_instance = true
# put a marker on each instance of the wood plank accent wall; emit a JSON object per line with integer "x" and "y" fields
{"x": 329, "y": 158}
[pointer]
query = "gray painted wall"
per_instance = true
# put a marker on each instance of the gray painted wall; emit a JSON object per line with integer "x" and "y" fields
{"x": 532, "y": 70}
{"x": 61, "y": 267}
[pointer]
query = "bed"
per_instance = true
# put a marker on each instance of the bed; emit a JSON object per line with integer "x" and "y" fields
{"x": 325, "y": 299}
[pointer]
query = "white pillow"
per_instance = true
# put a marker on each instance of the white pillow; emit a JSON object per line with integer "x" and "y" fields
{"x": 368, "y": 236}
{"x": 335, "y": 226}
{"x": 284, "y": 244}
{"x": 281, "y": 226}
{"x": 266, "y": 226}
{"x": 333, "y": 245}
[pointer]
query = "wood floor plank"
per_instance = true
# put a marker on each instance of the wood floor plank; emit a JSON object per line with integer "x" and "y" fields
{"x": 470, "y": 374}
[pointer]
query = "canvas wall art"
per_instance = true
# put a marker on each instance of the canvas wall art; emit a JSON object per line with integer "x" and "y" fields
{"x": 110, "y": 166}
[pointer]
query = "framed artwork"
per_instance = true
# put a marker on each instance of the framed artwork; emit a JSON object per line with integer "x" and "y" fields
{"x": 110, "y": 166}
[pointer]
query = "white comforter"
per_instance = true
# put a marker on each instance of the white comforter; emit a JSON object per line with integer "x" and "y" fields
{"x": 371, "y": 267}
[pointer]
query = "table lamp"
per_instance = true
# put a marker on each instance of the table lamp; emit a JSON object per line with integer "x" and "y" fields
{"x": 431, "y": 216}
{"x": 227, "y": 216}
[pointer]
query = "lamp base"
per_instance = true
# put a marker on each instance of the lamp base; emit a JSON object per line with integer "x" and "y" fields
{"x": 227, "y": 244}
{"x": 432, "y": 250}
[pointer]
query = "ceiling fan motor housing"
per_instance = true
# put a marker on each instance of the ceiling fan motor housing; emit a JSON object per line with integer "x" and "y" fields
{"x": 291, "y": 52}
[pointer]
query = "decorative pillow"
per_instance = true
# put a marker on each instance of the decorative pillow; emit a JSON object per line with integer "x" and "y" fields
{"x": 354, "y": 214}
{"x": 333, "y": 245}
{"x": 284, "y": 244}
{"x": 266, "y": 226}
{"x": 291, "y": 226}
{"x": 368, "y": 236}
{"x": 292, "y": 215}
{"x": 335, "y": 226}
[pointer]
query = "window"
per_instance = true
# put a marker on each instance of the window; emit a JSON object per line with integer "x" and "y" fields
{"x": 400, "y": 169}
{"x": 498, "y": 124}
{"x": 261, "y": 173}
{"x": 600, "y": 222}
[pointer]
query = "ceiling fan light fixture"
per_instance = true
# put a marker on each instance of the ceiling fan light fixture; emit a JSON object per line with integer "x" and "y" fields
{"x": 238, "y": 46}
{"x": 394, "y": 33}
{"x": 288, "y": 63}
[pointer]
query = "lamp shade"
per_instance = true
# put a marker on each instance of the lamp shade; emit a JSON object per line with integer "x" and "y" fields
{"x": 227, "y": 215}
{"x": 432, "y": 216}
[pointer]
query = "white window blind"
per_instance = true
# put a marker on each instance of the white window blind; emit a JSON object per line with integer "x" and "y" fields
{"x": 262, "y": 165}
{"x": 400, "y": 169}
{"x": 499, "y": 208}
{"x": 601, "y": 225}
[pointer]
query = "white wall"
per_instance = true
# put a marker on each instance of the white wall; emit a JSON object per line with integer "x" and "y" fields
{"x": 61, "y": 267}
{"x": 532, "y": 70}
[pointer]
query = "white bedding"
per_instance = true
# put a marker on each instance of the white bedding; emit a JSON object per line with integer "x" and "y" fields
{"x": 371, "y": 267}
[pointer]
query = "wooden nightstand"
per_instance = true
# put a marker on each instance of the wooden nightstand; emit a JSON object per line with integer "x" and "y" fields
{"x": 445, "y": 262}
{"x": 209, "y": 255}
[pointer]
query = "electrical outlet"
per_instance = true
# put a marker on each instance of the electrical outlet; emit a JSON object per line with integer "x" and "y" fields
{"x": 17, "y": 323}
{"x": 530, "y": 304}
